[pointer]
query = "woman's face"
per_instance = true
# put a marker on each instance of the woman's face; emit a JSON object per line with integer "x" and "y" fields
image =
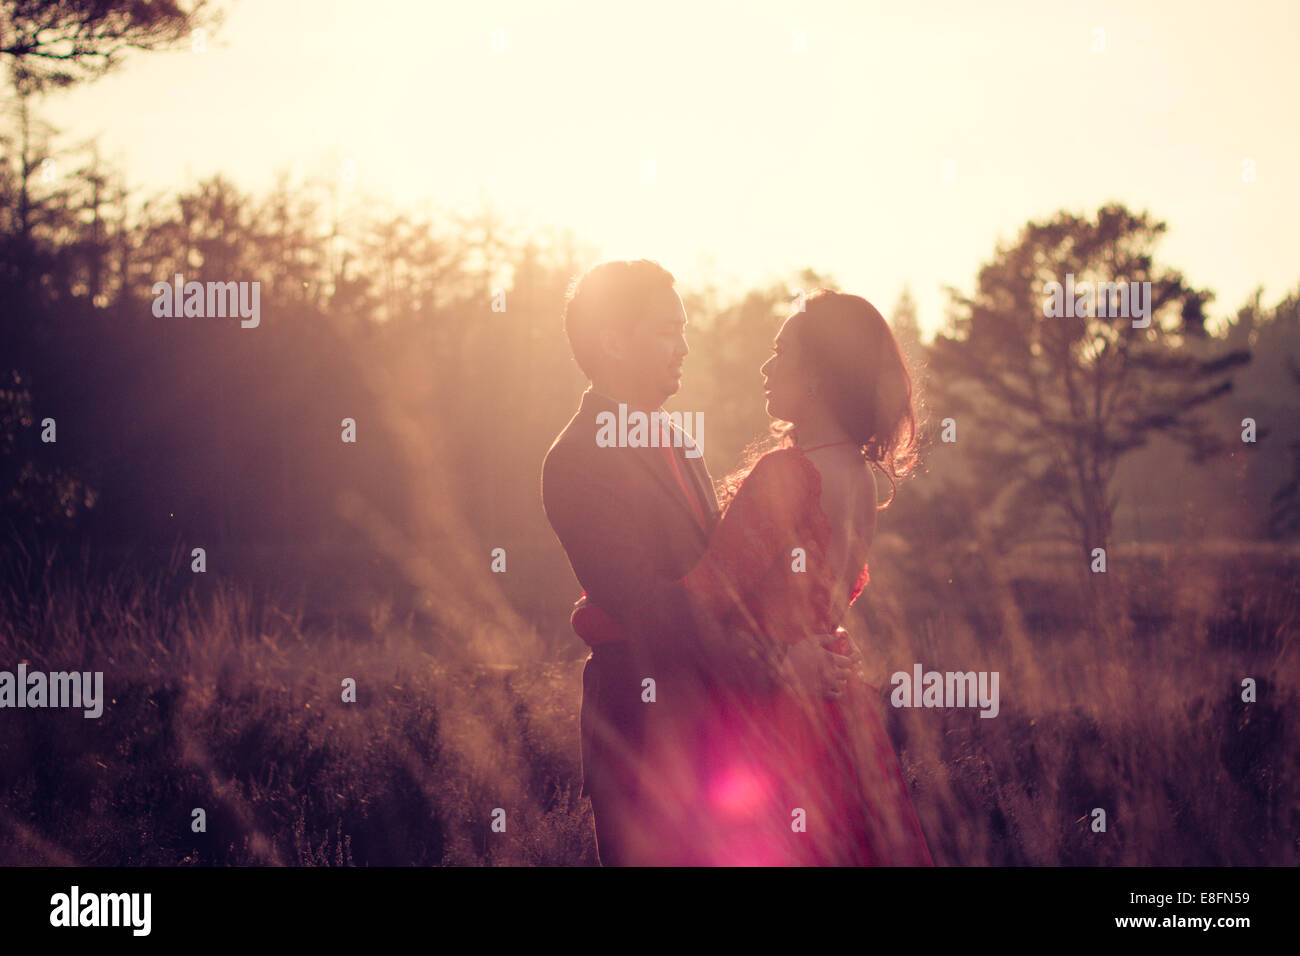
{"x": 785, "y": 382}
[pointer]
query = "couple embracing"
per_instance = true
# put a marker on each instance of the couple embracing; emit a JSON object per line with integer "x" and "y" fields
{"x": 724, "y": 717}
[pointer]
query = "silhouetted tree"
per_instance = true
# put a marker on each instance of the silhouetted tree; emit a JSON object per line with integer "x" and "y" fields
{"x": 907, "y": 328}
{"x": 57, "y": 44}
{"x": 1046, "y": 406}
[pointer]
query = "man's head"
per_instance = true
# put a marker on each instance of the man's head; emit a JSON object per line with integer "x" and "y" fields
{"x": 627, "y": 328}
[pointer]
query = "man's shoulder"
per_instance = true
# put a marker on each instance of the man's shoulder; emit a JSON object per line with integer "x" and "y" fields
{"x": 571, "y": 443}
{"x": 574, "y": 449}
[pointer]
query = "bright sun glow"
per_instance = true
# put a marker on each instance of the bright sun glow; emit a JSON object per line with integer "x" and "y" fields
{"x": 738, "y": 142}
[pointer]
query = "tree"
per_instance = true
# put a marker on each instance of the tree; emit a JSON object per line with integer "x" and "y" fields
{"x": 44, "y": 242}
{"x": 59, "y": 44}
{"x": 906, "y": 328}
{"x": 1049, "y": 404}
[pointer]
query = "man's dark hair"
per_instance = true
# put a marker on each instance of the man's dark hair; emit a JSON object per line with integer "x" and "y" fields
{"x": 612, "y": 295}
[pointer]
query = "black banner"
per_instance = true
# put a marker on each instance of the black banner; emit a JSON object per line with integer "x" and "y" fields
{"x": 1229, "y": 906}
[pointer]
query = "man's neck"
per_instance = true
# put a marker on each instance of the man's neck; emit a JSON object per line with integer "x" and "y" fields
{"x": 613, "y": 397}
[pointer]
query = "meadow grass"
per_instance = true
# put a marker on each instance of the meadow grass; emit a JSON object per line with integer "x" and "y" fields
{"x": 232, "y": 705}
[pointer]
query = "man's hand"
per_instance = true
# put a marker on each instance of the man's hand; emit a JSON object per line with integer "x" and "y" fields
{"x": 813, "y": 667}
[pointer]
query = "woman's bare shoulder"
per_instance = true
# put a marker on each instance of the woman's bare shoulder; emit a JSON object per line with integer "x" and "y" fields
{"x": 872, "y": 489}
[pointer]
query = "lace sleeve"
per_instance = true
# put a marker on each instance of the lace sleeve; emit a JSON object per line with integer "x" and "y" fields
{"x": 758, "y": 530}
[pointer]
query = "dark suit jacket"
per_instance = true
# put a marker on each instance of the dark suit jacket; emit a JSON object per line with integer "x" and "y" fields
{"x": 629, "y": 533}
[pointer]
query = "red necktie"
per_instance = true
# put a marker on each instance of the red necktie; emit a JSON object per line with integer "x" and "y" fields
{"x": 666, "y": 444}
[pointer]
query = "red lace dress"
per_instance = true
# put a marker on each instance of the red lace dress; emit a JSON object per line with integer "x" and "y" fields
{"x": 789, "y": 779}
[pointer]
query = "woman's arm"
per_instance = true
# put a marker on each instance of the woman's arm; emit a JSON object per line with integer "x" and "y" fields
{"x": 758, "y": 530}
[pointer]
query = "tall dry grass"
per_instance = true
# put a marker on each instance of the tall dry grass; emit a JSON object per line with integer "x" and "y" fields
{"x": 233, "y": 704}
{"x": 1139, "y": 713}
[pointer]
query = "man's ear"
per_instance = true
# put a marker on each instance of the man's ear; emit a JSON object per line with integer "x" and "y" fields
{"x": 612, "y": 345}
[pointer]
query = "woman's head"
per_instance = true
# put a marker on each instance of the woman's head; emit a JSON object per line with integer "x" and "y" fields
{"x": 837, "y": 360}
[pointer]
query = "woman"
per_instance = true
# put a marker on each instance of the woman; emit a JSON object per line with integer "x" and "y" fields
{"x": 801, "y": 776}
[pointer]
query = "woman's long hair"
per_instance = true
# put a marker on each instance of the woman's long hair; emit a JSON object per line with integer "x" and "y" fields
{"x": 846, "y": 345}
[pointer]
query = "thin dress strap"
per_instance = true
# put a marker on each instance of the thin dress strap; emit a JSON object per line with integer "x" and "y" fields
{"x": 829, "y": 444}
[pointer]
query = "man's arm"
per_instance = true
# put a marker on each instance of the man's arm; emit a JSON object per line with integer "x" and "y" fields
{"x": 599, "y": 528}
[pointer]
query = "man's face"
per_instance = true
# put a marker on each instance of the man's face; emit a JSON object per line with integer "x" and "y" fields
{"x": 651, "y": 356}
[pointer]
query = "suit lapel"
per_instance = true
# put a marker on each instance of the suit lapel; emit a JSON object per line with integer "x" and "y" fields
{"x": 703, "y": 485}
{"x": 652, "y": 460}
{"x": 697, "y": 476}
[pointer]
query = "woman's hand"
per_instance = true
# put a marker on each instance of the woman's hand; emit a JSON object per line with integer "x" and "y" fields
{"x": 844, "y": 641}
{"x": 813, "y": 668}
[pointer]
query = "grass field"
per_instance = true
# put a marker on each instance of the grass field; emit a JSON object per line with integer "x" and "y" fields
{"x": 216, "y": 704}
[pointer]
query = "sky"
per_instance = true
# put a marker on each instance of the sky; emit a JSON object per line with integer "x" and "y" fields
{"x": 883, "y": 144}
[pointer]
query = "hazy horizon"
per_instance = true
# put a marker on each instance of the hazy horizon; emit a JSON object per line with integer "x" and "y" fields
{"x": 721, "y": 108}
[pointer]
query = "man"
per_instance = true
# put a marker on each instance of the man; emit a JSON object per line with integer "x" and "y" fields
{"x": 633, "y": 520}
